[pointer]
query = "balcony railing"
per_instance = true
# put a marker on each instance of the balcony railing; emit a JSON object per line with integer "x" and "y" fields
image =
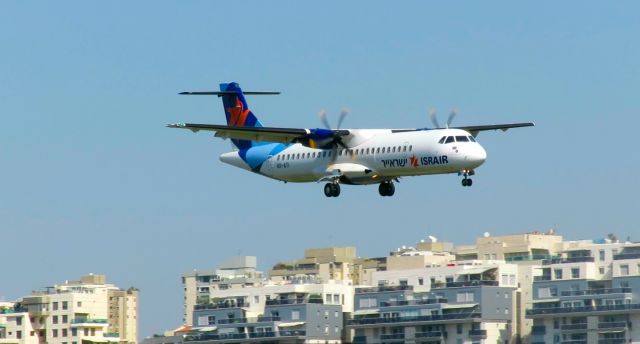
{"x": 267, "y": 334}
{"x": 360, "y": 340}
{"x": 586, "y": 259}
{"x": 412, "y": 302}
{"x": 432, "y": 334}
{"x": 478, "y": 333}
{"x": 394, "y": 336}
{"x": 384, "y": 288}
{"x": 292, "y": 301}
{"x": 530, "y": 257}
{"x": 538, "y": 329}
{"x": 370, "y": 321}
{"x": 561, "y": 310}
{"x": 221, "y": 305}
{"x": 232, "y": 321}
{"x": 542, "y": 278}
{"x": 111, "y": 335}
{"x": 595, "y": 291}
{"x": 293, "y": 333}
{"x": 623, "y": 256}
{"x": 612, "y": 341}
{"x": 88, "y": 321}
{"x": 574, "y": 341}
{"x": 474, "y": 283}
{"x": 611, "y": 325}
{"x": 573, "y": 327}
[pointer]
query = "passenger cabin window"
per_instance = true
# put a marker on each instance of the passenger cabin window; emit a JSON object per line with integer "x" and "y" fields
{"x": 378, "y": 150}
{"x": 462, "y": 139}
{"x": 410, "y": 148}
{"x": 442, "y": 139}
{"x": 450, "y": 139}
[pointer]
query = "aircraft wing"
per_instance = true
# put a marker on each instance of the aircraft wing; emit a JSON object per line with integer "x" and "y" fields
{"x": 267, "y": 134}
{"x": 475, "y": 129}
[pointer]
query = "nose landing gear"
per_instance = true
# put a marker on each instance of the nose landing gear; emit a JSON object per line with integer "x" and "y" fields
{"x": 466, "y": 181}
{"x": 386, "y": 188}
{"x": 332, "y": 189}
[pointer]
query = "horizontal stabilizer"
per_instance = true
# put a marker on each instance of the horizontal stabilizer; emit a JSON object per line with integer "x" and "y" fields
{"x": 221, "y": 93}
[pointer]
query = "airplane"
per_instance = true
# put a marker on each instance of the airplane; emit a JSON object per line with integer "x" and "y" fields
{"x": 343, "y": 156}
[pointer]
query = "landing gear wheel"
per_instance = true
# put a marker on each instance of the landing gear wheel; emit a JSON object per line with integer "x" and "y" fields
{"x": 335, "y": 190}
{"x": 332, "y": 190}
{"x": 386, "y": 189}
{"x": 467, "y": 182}
{"x": 328, "y": 190}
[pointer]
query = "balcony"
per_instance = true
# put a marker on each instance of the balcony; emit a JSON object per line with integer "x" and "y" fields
{"x": 478, "y": 334}
{"x": 574, "y": 341}
{"x": 623, "y": 256}
{"x": 111, "y": 335}
{"x": 221, "y": 305}
{"x": 392, "y": 337}
{"x": 232, "y": 321}
{"x": 538, "y": 330}
{"x": 86, "y": 322}
{"x": 385, "y": 288}
{"x": 474, "y": 283}
{"x": 584, "y": 309}
{"x": 612, "y": 326}
{"x": 373, "y": 321}
{"x": 266, "y": 334}
{"x": 276, "y": 302}
{"x": 595, "y": 292}
{"x": 432, "y": 334}
{"x": 585, "y": 259}
{"x": 574, "y": 327}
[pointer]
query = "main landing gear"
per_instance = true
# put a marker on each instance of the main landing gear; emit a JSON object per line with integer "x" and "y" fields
{"x": 466, "y": 181}
{"x": 386, "y": 188}
{"x": 332, "y": 189}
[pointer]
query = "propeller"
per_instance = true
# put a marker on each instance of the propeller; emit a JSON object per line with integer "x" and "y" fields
{"x": 434, "y": 118}
{"x": 323, "y": 117}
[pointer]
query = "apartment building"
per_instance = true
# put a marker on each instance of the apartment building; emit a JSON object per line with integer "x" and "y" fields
{"x": 234, "y": 273}
{"x": 303, "y": 310}
{"x": 71, "y": 313}
{"x": 591, "y": 294}
{"x": 455, "y": 302}
{"x": 332, "y": 263}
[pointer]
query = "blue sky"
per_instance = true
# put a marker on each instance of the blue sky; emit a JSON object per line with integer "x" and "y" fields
{"x": 92, "y": 181}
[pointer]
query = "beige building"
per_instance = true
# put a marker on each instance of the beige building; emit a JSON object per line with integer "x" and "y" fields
{"x": 71, "y": 313}
{"x": 333, "y": 263}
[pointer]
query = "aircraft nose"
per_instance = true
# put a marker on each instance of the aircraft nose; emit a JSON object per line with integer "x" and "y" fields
{"x": 478, "y": 155}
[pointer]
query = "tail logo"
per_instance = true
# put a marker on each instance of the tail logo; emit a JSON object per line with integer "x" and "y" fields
{"x": 238, "y": 114}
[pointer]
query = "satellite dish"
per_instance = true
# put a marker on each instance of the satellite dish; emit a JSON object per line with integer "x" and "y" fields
{"x": 486, "y": 234}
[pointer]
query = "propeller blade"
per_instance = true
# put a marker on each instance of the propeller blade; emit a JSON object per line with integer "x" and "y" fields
{"x": 434, "y": 119}
{"x": 343, "y": 114}
{"x": 452, "y": 115}
{"x": 323, "y": 117}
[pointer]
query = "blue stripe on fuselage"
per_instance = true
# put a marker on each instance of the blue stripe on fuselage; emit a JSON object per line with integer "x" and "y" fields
{"x": 257, "y": 155}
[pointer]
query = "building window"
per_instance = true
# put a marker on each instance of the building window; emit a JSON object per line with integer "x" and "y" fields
{"x": 404, "y": 282}
{"x": 601, "y": 255}
{"x": 74, "y": 331}
{"x": 558, "y": 274}
{"x": 55, "y": 333}
{"x": 211, "y": 320}
{"x": 19, "y": 334}
{"x": 55, "y": 306}
{"x": 420, "y": 281}
{"x": 464, "y": 297}
{"x": 256, "y": 299}
{"x": 295, "y": 315}
{"x": 65, "y": 332}
{"x": 79, "y": 304}
{"x": 336, "y": 314}
{"x": 65, "y": 305}
{"x": 624, "y": 270}
{"x": 327, "y": 298}
{"x": 575, "y": 272}
{"x": 54, "y": 319}
{"x": 18, "y": 321}
{"x": 601, "y": 270}
{"x": 65, "y": 319}
{"x": 459, "y": 328}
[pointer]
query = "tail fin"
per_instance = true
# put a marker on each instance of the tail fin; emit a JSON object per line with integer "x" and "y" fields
{"x": 237, "y": 111}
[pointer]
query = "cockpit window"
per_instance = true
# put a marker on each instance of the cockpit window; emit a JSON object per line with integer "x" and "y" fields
{"x": 450, "y": 139}
{"x": 442, "y": 139}
{"x": 472, "y": 139}
{"x": 462, "y": 139}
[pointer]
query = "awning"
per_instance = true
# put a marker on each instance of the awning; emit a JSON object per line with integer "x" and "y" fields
{"x": 459, "y": 305}
{"x": 101, "y": 339}
{"x": 291, "y": 324}
{"x": 546, "y": 300}
{"x": 366, "y": 311}
{"x": 475, "y": 271}
{"x": 208, "y": 328}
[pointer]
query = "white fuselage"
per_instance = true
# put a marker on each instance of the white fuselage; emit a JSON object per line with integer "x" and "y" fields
{"x": 374, "y": 155}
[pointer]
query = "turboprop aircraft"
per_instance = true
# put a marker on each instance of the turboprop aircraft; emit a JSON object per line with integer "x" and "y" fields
{"x": 343, "y": 156}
